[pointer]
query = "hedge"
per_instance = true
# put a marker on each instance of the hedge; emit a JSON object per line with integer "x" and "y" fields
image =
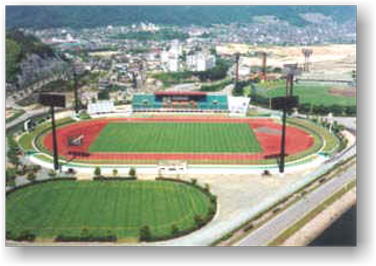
{"x": 89, "y": 238}
{"x": 36, "y": 182}
{"x": 104, "y": 178}
{"x": 23, "y": 236}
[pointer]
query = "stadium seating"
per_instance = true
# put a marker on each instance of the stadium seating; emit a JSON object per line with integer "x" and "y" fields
{"x": 211, "y": 102}
{"x": 100, "y": 107}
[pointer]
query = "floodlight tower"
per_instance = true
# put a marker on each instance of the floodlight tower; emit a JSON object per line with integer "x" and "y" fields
{"x": 73, "y": 70}
{"x": 237, "y": 57}
{"x": 290, "y": 71}
{"x": 53, "y": 100}
{"x": 76, "y": 100}
{"x": 263, "y": 55}
{"x": 307, "y": 54}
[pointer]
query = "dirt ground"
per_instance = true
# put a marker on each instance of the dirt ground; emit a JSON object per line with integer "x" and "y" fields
{"x": 347, "y": 92}
{"x": 333, "y": 59}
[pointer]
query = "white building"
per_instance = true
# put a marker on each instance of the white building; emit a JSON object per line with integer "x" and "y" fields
{"x": 100, "y": 107}
{"x": 238, "y": 106}
{"x": 244, "y": 70}
{"x": 200, "y": 61}
{"x": 170, "y": 59}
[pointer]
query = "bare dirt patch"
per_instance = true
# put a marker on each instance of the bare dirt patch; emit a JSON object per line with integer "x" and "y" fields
{"x": 347, "y": 92}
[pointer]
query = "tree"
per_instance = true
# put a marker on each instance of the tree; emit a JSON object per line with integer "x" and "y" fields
{"x": 145, "y": 234}
{"x": 85, "y": 233}
{"x": 52, "y": 173}
{"x": 350, "y": 110}
{"x": 36, "y": 168}
{"x": 31, "y": 176}
{"x": 337, "y": 109}
{"x": 114, "y": 172}
{"x": 97, "y": 171}
{"x": 132, "y": 172}
{"x": 104, "y": 95}
{"x": 13, "y": 158}
{"x": 238, "y": 89}
{"x": 10, "y": 176}
{"x": 199, "y": 220}
{"x": 174, "y": 229}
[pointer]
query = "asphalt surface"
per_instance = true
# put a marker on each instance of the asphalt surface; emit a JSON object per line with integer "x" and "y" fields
{"x": 266, "y": 233}
{"x": 27, "y": 115}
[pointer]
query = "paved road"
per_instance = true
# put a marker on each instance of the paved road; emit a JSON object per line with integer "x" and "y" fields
{"x": 266, "y": 233}
{"x": 27, "y": 115}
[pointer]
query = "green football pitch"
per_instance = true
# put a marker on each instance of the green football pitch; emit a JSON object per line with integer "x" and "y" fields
{"x": 176, "y": 137}
{"x": 120, "y": 207}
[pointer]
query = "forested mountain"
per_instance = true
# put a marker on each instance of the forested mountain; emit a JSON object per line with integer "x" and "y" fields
{"x": 93, "y": 16}
{"x": 18, "y": 47}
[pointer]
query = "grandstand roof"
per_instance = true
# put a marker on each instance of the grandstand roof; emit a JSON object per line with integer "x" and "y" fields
{"x": 180, "y": 93}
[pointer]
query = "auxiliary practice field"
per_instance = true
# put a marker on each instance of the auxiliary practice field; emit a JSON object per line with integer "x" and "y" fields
{"x": 103, "y": 208}
{"x": 213, "y": 140}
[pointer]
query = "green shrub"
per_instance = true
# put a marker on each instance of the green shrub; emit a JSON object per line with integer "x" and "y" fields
{"x": 10, "y": 176}
{"x": 132, "y": 172}
{"x": 199, "y": 221}
{"x": 145, "y": 233}
{"x": 52, "y": 173}
{"x": 174, "y": 229}
{"x": 31, "y": 176}
{"x": 97, "y": 171}
{"x": 23, "y": 236}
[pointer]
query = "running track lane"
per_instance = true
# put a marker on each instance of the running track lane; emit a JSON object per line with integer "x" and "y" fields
{"x": 297, "y": 140}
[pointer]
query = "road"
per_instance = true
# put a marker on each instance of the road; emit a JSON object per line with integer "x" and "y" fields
{"x": 266, "y": 233}
{"x": 27, "y": 115}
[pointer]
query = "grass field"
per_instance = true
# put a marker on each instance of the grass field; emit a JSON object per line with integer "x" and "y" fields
{"x": 176, "y": 137}
{"x": 120, "y": 207}
{"x": 313, "y": 94}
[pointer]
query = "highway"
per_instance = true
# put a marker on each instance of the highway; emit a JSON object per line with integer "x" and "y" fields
{"x": 270, "y": 230}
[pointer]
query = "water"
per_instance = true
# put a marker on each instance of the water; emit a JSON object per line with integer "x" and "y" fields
{"x": 341, "y": 233}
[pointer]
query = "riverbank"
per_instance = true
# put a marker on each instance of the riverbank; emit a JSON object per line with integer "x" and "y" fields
{"x": 322, "y": 221}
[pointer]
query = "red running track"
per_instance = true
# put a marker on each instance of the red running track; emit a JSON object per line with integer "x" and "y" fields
{"x": 267, "y": 132}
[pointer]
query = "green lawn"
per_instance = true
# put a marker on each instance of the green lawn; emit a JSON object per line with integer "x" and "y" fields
{"x": 315, "y": 94}
{"x": 176, "y": 137}
{"x": 120, "y": 207}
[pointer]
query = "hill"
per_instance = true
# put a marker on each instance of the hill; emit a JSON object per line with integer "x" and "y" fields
{"x": 18, "y": 47}
{"x": 94, "y": 16}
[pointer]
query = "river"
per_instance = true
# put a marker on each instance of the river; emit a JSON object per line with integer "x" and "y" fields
{"x": 341, "y": 233}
